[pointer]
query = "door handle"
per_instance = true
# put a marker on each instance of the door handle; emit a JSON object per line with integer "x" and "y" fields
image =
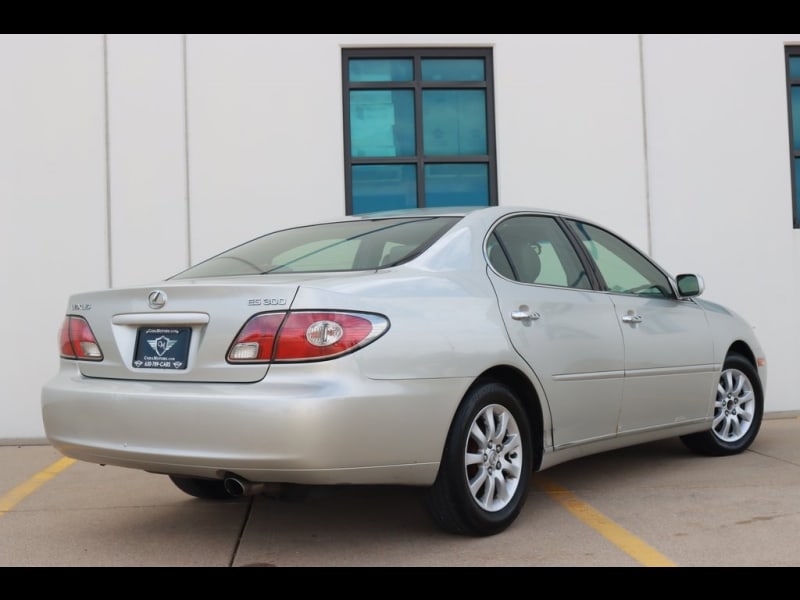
{"x": 631, "y": 318}
{"x": 524, "y": 315}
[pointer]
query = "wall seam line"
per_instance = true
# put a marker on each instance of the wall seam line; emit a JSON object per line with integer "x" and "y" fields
{"x": 186, "y": 152}
{"x": 647, "y": 197}
{"x": 109, "y": 274}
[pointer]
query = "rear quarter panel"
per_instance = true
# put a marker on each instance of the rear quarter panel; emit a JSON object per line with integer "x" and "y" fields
{"x": 442, "y": 326}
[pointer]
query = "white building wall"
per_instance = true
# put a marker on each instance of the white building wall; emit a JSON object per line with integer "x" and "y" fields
{"x": 570, "y": 127}
{"x": 147, "y": 157}
{"x": 265, "y": 135}
{"x": 720, "y": 181}
{"x": 213, "y": 139}
{"x": 53, "y": 228}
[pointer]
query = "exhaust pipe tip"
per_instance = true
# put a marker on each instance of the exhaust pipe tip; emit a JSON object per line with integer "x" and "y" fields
{"x": 235, "y": 487}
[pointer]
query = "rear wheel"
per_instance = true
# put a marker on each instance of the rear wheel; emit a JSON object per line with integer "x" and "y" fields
{"x": 738, "y": 411}
{"x": 483, "y": 478}
{"x": 207, "y": 489}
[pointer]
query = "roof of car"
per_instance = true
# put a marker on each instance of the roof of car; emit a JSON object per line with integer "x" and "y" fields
{"x": 452, "y": 211}
{"x": 416, "y": 212}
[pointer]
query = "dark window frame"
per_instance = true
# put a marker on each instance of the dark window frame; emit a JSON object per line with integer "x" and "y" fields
{"x": 417, "y": 54}
{"x": 792, "y": 51}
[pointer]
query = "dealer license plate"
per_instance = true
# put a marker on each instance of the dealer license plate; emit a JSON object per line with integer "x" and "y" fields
{"x": 162, "y": 347}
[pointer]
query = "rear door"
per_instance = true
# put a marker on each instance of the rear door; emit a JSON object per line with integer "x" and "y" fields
{"x": 567, "y": 332}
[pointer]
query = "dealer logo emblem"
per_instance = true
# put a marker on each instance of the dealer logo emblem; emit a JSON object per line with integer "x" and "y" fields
{"x": 157, "y": 299}
{"x": 161, "y": 344}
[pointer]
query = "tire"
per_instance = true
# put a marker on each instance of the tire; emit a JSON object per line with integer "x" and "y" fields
{"x": 738, "y": 411}
{"x": 486, "y": 465}
{"x": 207, "y": 489}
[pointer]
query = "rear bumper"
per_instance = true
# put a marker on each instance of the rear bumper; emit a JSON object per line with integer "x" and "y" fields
{"x": 296, "y": 426}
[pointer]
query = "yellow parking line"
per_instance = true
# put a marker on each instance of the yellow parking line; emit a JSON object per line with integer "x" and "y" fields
{"x": 19, "y": 493}
{"x": 623, "y": 539}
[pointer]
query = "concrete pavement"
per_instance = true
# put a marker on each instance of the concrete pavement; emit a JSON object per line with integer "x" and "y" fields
{"x": 652, "y": 505}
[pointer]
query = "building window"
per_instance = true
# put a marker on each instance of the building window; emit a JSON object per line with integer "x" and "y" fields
{"x": 418, "y": 128}
{"x": 793, "y": 85}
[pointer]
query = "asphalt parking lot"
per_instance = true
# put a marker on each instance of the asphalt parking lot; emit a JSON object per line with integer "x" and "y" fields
{"x": 654, "y": 505}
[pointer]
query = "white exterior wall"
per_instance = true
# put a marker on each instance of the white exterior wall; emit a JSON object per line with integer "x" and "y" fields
{"x": 214, "y": 139}
{"x": 146, "y": 157}
{"x": 570, "y": 127}
{"x": 720, "y": 182}
{"x": 53, "y": 228}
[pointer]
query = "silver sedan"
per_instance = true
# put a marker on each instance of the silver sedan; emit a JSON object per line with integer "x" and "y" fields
{"x": 456, "y": 350}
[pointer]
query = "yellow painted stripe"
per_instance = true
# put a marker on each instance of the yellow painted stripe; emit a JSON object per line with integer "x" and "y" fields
{"x": 23, "y": 490}
{"x": 619, "y": 536}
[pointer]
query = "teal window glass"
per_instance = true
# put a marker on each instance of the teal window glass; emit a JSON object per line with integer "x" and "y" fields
{"x": 382, "y": 123}
{"x": 797, "y": 189}
{"x": 453, "y": 69}
{"x": 418, "y": 128}
{"x": 454, "y": 122}
{"x": 793, "y": 98}
{"x": 795, "y": 110}
{"x": 794, "y": 67}
{"x": 457, "y": 185}
{"x": 384, "y": 187}
{"x": 374, "y": 69}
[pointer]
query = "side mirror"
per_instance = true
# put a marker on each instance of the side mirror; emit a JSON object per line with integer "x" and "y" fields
{"x": 690, "y": 285}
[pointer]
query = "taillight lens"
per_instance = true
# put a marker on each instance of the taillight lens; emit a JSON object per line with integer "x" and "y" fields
{"x": 257, "y": 338}
{"x": 304, "y": 336}
{"x": 76, "y": 340}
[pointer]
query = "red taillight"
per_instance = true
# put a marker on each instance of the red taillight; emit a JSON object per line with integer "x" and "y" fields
{"x": 255, "y": 341}
{"x": 76, "y": 340}
{"x": 304, "y": 336}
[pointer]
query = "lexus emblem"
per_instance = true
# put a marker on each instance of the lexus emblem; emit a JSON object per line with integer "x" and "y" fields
{"x": 157, "y": 299}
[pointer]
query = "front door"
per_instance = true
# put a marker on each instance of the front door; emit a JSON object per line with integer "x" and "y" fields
{"x": 669, "y": 364}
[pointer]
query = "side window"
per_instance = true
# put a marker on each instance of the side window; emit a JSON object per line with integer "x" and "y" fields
{"x": 418, "y": 128}
{"x": 534, "y": 249}
{"x": 623, "y": 268}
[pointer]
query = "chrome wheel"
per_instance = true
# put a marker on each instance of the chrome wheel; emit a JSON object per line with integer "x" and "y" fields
{"x": 738, "y": 410}
{"x": 493, "y": 457}
{"x": 735, "y": 407}
{"x": 487, "y": 461}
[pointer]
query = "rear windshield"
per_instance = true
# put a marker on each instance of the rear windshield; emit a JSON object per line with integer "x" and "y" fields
{"x": 343, "y": 246}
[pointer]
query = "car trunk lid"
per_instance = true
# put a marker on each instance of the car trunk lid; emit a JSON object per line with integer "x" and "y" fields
{"x": 177, "y": 330}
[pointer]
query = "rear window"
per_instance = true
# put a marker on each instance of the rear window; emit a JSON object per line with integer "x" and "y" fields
{"x": 342, "y": 246}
